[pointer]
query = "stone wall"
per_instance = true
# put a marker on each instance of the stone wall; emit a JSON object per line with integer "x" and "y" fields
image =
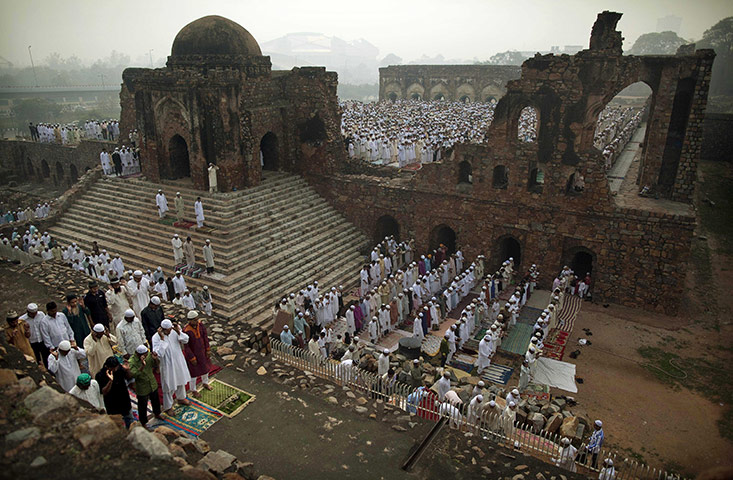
{"x": 62, "y": 165}
{"x": 717, "y": 142}
{"x": 473, "y": 83}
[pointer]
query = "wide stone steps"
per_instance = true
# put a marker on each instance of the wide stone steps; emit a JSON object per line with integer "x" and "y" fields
{"x": 247, "y": 218}
{"x": 150, "y": 238}
{"x": 234, "y": 301}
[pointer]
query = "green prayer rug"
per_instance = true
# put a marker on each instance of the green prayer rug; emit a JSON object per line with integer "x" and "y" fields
{"x": 225, "y": 398}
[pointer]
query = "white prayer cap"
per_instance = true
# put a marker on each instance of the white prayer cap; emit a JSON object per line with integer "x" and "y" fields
{"x": 285, "y": 327}
{"x": 416, "y": 361}
{"x": 192, "y": 314}
{"x": 208, "y": 241}
{"x": 99, "y": 328}
{"x": 177, "y": 272}
{"x": 386, "y": 351}
{"x": 492, "y": 403}
{"x": 32, "y": 307}
{"x": 515, "y": 392}
{"x": 599, "y": 423}
{"x": 129, "y": 313}
{"x": 178, "y": 193}
{"x": 333, "y": 289}
{"x": 292, "y": 295}
{"x": 141, "y": 349}
{"x": 453, "y": 327}
{"x": 137, "y": 273}
{"x": 166, "y": 324}
{"x": 480, "y": 398}
{"x": 511, "y": 258}
{"x": 608, "y": 462}
{"x": 447, "y": 335}
{"x": 565, "y": 441}
{"x": 374, "y": 318}
{"x": 446, "y": 374}
{"x": 356, "y": 339}
{"x": 341, "y": 287}
{"x": 353, "y": 307}
{"x": 159, "y": 190}
{"x": 155, "y": 300}
{"x": 300, "y": 314}
{"x": 175, "y": 235}
{"x": 512, "y": 404}
{"x": 65, "y": 345}
{"x": 481, "y": 383}
{"x": 206, "y": 287}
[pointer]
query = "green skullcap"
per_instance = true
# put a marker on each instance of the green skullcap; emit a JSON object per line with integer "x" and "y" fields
{"x": 84, "y": 380}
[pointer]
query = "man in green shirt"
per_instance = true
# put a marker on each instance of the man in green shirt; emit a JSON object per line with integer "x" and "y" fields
{"x": 146, "y": 387}
{"x": 79, "y": 318}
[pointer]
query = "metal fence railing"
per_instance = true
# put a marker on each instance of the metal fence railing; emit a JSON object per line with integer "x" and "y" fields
{"x": 484, "y": 424}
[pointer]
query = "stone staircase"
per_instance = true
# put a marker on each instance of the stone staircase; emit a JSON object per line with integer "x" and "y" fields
{"x": 268, "y": 240}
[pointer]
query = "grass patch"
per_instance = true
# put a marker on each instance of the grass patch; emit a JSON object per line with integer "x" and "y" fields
{"x": 717, "y": 186}
{"x": 710, "y": 377}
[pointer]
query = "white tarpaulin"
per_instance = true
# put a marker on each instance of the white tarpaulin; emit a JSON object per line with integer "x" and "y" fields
{"x": 554, "y": 373}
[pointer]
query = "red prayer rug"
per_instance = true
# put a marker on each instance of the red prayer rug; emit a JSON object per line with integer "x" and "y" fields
{"x": 183, "y": 224}
{"x": 555, "y": 344}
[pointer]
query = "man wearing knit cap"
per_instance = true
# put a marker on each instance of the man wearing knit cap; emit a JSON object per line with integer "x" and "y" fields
{"x": 508, "y": 416}
{"x": 98, "y": 347}
{"x": 130, "y": 333}
{"x": 168, "y": 345}
{"x": 566, "y": 459}
{"x": 87, "y": 389}
{"x": 64, "y": 364}
{"x": 197, "y": 352}
{"x": 17, "y": 333}
{"x": 139, "y": 289}
{"x": 33, "y": 318}
{"x": 142, "y": 364}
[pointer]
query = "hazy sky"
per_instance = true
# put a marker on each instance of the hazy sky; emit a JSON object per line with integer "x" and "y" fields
{"x": 454, "y": 28}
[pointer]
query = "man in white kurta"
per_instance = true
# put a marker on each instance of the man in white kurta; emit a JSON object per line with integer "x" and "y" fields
{"x": 178, "y": 204}
{"x": 443, "y": 385}
{"x": 198, "y": 209}
{"x": 177, "y": 244}
{"x": 130, "y": 334}
{"x": 174, "y": 373}
{"x": 162, "y": 203}
{"x": 64, "y": 363}
{"x": 179, "y": 283}
{"x": 213, "y": 183}
{"x": 139, "y": 289}
{"x": 484, "y": 353}
{"x": 118, "y": 302}
{"x": 383, "y": 363}
{"x": 209, "y": 256}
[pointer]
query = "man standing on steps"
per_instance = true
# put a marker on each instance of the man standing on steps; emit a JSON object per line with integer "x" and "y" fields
{"x": 198, "y": 209}
{"x": 139, "y": 289}
{"x": 177, "y": 250}
{"x": 117, "y": 161}
{"x": 178, "y": 202}
{"x": 213, "y": 183}
{"x": 209, "y": 256}
{"x": 162, "y": 203}
{"x": 189, "y": 252}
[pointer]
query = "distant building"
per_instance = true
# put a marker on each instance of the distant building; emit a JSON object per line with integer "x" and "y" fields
{"x": 355, "y": 61}
{"x": 670, "y": 23}
{"x": 80, "y": 97}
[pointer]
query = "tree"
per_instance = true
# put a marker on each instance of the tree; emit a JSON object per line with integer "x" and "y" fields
{"x": 657, "y": 43}
{"x": 510, "y": 57}
{"x": 36, "y": 110}
{"x": 719, "y": 37}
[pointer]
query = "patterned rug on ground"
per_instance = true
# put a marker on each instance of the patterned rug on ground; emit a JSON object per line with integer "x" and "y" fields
{"x": 541, "y": 392}
{"x": 555, "y": 344}
{"x": 183, "y": 224}
{"x": 518, "y": 339}
{"x": 225, "y": 398}
{"x": 466, "y": 367}
{"x": 167, "y": 221}
{"x": 193, "y": 272}
{"x": 497, "y": 374}
{"x": 191, "y": 419}
{"x": 570, "y": 309}
{"x": 529, "y": 315}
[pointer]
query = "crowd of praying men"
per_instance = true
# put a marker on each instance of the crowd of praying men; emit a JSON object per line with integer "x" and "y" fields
{"x": 72, "y": 134}
{"x": 23, "y": 215}
{"x": 124, "y": 160}
{"x": 98, "y": 350}
{"x": 403, "y": 132}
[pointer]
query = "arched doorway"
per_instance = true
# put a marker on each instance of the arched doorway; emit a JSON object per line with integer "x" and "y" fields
{"x": 180, "y": 166}
{"x": 392, "y": 97}
{"x": 491, "y": 99}
{"x": 509, "y": 247}
{"x": 45, "y": 170}
{"x": 439, "y": 97}
{"x": 386, "y": 226}
{"x": 580, "y": 260}
{"x": 416, "y": 96}
{"x": 443, "y": 234}
{"x": 465, "y": 173}
{"x": 59, "y": 173}
{"x": 464, "y": 99}
{"x": 500, "y": 177}
{"x": 268, "y": 152}
{"x": 73, "y": 173}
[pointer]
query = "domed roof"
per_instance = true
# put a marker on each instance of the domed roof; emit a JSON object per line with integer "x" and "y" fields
{"x": 214, "y": 35}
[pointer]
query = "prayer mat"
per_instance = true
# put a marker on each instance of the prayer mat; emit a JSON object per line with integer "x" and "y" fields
{"x": 466, "y": 367}
{"x": 225, "y": 398}
{"x": 555, "y": 343}
{"x": 191, "y": 419}
{"x": 413, "y": 167}
{"x": 570, "y": 309}
{"x": 528, "y": 438}
{"x": 495, "y": 373}
{"x": 518, "y": 339}
{"x": 529, "y": 315}
{"x": 480, "y": 334}
{"x": 430, "y": 345}
{"x": 534, "y": 390}
{"x": 183, "y": 224}
{"x": 167, "y": 221}
{"x": 457, "y": 372}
